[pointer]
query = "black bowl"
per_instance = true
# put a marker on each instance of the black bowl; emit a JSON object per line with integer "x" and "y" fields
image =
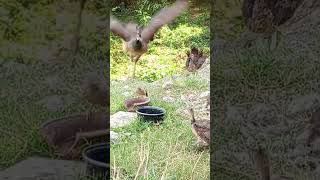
{"x": 151, "y": 114}
{"x": 97, "y": 158}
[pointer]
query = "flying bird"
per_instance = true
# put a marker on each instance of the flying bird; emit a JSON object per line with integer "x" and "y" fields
{"x": 136, "y": 38}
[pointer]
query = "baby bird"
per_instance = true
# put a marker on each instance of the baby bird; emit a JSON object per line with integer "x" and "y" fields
{"x": 195, "y": 60}
{"x": 136, "y": 38}
{"x": 201, "y": 129}
{"x": 265, "y": 16}
{"x": 143, "y": 99}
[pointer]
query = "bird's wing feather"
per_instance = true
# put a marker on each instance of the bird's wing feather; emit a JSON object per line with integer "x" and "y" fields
{"x": 131, "y": 28}
{"x": 118, "y": 29}
{"x": 164, "y": 16}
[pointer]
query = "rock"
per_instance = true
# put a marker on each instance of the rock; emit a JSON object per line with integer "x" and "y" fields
{"x": 167, "y": 85}
{"x": 121, "y": 119}
{"x": 42, "y": 168}
{"x": 114, "y": 136}
{"x": 303, "y": 103}
{"x": 168, "y": 99}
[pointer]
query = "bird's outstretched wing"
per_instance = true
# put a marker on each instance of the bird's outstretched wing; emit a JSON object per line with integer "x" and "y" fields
{"x": 117, "y": 28}
{"x": 164, "y": 16}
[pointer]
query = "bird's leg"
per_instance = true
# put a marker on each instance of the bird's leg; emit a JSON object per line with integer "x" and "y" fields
{"x": 135, "y": 60}
{"x": 134, "y": 69}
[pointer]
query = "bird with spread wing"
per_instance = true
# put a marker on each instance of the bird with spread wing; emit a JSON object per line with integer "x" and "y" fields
{"x": 136, "y": 38}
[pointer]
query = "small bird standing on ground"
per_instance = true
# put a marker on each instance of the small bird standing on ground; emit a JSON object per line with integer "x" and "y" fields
{"x": 136, "y": 38}
{"x": 265, "y": 16}
{"x": 201, "y": 129}
{"x": 195, "y": 59}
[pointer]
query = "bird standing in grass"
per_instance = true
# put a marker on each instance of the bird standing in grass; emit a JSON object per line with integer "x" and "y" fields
{"x": 265, "y": 16}
{"x": 136, "y": 38}
{"x": 195, "y": 59}
{"x": 201, "y": 129}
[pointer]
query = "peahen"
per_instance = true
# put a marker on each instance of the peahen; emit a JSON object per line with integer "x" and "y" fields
{"x": 136, "y": 38}
{"x": 265, "y": 16}
{"x": 195, "y": 59}
{"x": 201, "y": 129}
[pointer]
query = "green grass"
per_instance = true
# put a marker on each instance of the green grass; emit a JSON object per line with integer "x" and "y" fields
{"x": 167, "y": 53}
{"x": 168, "y": 149}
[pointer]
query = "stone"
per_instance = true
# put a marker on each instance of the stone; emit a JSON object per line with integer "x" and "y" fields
{"x": 168, "y": 99}
{"x": 302, "y": 104}
{"x": 167, "y": 85}
{"x": 121, "y": 119}
{"x": 43, "y": 168}
{"x": 114, "y": 136}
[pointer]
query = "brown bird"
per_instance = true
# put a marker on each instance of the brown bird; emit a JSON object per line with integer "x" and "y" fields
{"x": 195, "y": 59}
{"x": 201, "y": 129}
{"x": 264, "y": 16}
{"x": 136, "y": 38}
{"x": 143, "y": 99}
{"x": 263, "y": 167}
{"x": 95, "y": 89}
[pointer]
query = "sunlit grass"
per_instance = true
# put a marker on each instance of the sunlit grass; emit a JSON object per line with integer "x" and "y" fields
{"x": 167, "y": 53}
{"x": 167, "y": 150}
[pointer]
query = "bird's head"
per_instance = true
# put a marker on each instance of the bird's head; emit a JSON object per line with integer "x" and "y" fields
{"x": 137, "y": 43}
